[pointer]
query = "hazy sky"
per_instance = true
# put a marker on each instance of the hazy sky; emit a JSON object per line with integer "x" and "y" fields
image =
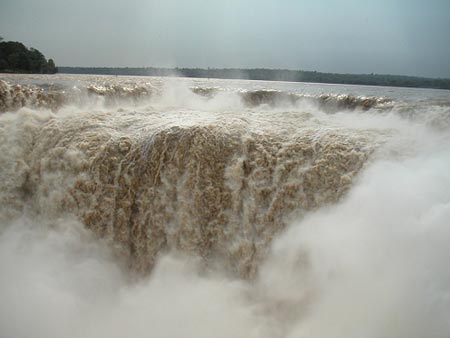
{"x": 408, "y": 37}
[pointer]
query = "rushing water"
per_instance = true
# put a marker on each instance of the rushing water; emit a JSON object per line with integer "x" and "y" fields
{"x": 137, "y": 206}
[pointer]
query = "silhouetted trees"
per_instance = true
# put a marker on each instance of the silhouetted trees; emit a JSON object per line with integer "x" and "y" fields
{"x": 50, "y": 67}
{"x": 16, "y": 58}
{"x": 270, "y": 74}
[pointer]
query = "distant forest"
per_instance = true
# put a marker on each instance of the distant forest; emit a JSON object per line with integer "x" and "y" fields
{"x": 16, "y": 58}
{"x": 270, "y": 75}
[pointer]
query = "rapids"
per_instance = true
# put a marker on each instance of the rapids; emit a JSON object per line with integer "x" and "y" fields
{"x": 267, "y": 194}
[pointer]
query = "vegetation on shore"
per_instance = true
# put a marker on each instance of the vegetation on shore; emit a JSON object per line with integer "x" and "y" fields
{"x": 270, "y": 75}
{"x": 15, "y": 57}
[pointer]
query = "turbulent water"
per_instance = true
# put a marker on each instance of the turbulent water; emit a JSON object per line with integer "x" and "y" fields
{"x": 138, "y": 206}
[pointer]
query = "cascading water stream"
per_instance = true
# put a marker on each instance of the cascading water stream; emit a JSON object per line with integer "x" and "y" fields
{"x": 236, "y": 211}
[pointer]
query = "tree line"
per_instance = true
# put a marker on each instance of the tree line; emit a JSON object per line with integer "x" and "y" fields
{"x": 15, "y": 57}
{"x": 270, "y": 75}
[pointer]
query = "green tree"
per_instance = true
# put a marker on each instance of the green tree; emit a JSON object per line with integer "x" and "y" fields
{"x": 15, "y": 57}
{"x": 37, "y": 60}
{"x": 51, "y": 68}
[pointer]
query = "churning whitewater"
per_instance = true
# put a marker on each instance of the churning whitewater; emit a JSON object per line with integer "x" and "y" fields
{"x": 140, "y": 206}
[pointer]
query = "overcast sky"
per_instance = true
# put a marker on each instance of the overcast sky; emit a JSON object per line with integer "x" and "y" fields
{"x": 408, "y": 37}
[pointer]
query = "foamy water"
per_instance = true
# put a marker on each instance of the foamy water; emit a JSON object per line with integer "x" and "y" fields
{"x": 139, "y": 206}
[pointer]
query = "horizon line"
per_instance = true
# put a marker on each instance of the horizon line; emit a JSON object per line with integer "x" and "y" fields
{"x": 257, "y": 68}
